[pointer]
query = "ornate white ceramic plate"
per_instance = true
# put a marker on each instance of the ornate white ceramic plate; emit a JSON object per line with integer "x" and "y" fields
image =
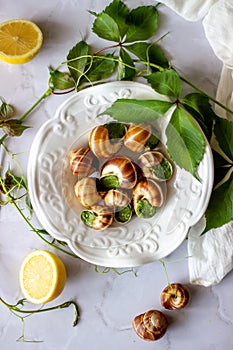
{"x": 51, "y": 186}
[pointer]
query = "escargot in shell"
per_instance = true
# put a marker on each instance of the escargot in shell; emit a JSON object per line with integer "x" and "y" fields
{"x": 151, "y": 325}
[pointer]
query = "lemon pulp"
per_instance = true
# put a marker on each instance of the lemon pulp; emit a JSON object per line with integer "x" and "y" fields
{"x": 42, "y": 276}
{"x": 20, "y": 41}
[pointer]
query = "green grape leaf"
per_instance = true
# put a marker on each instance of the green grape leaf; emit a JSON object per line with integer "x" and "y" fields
{"x": 126, "y": 69}
{"x": 166, "y": 83}
{"x": 119, "y": 12}
{"x": 101, "y": 68}
{"x": 60, "y": 80}
{"x": 77, "y": 59}
{"x": 137, "y": 111}
{"x": 106, "y": 27}
{"x": 223, "y": 130}
{"x": 185, "y": 141}
{"x": 199, "y": 107}
{"x": 143, "y": 23}
{"x": 220, "y": 208}
{"x": 150, "y": 53}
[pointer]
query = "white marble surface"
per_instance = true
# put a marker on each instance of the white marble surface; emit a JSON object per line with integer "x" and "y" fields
{"x": 108, "y": 303}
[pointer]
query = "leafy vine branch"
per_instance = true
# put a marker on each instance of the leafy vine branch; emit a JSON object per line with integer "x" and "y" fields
{"x": 134, "y": 52}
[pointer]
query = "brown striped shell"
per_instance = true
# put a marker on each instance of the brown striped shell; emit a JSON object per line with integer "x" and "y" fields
{"x": 150, "y": 190}
{"x": 100, "y": 143}
{"x": 86, "y": 192}
{"x": 103, "y": 217}
{"x": 154, "y": 165}
{"x": 123, "y": 168}
{"x": 116, "y": 198}
{"x": 81, "y": 162}
{"x": 137, "y": 136}
{"x": 151, "y": 325}
{"x": 175, "y": 296}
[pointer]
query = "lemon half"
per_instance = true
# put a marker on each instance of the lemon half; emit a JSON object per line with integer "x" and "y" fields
{"x": 42, "y": 276}
{"x": 20, "y": 41}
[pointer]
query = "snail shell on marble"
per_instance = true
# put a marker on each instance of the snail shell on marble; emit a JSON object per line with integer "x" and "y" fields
{"x": 81, "y": 162}
{"x": 155, "y": 165}
{"x": 86, "y": 192}
{"x": 97, "y": 217}
{"x": 123, "y": 169}
{"x": 151, "y": 325}
{"x": 137, "y": 136}
{"x": 101, "y": 143}
{"x": 116, "y": 198}
{"x": 175, "y": 296}
{"x": 150, "y": 191}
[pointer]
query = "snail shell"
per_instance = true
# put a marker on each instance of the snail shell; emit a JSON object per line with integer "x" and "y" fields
{"x": 81, "y": 162}
{"x": 116, "y": 198}
{"x": 123, "y": 215}
{"x": 148, "y": 189}
{"x": 154, "y": 165}
{"x": 97, "y": 217}
{"x": 124, "y": 169}
{"x": 151, "y": 325}
{"x": 137, "y": 136}
{"x": 101, "y": 144}
{"x": 175, "y": 296}
{"x": 86, "y": 192}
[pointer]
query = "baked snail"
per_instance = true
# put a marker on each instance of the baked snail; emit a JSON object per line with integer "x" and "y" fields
{"x": 140, "y": 137}
{"x": 175, "y": 296}
{"x": 106, "y": 140}
{"x": 118, "y": 172}
{"x": 155, "y": 165}
{"x": 82, "y": 162}
{"x": 126, "y": 184}
{"x": 86, "y": 191}
{"x": 147, "y": 198}
{"x": 151, "y": 325}
{"x": 123, "y": 215}
{"x": 97, "y": 217}
{"x": 116, "y": 198}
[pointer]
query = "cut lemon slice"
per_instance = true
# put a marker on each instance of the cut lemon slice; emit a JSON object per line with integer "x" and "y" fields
{"x": 42, "y": 276}
{"x": 20, "y": 41}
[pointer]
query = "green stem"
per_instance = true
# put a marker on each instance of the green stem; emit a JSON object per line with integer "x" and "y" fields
{"x": 47, "y": 93}
{"x": 37, "y": 232}
{"x": 60, "y": 306}
{"x": 165, "y": 270}
{"x": 204, "y": 93}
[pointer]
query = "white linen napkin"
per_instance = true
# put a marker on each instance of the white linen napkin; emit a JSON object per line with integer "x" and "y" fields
{"x": 211, "y": 254}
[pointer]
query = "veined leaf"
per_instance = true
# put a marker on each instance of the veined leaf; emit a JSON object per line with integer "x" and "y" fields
{"x": 137, "y": 111}
{"x": 101, "y": 68}
{"x": 185, "y": 141}
{"x": 119, "y": 12}
{"x": 126, "y": 69}
{"x": 106, "y": 27}
{"x": 77, "y": 60}
{"x": 143, "y": 23}
{"x": 166, "y": 82}
{"x": 223, "y": 130}
{"x": 220, "y": 209}
{"x": 150, "y": 53}
{"x": 199, "y": 107}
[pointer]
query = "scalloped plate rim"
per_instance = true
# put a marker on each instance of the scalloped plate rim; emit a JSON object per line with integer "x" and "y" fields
{"x": 84, "y": 252}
